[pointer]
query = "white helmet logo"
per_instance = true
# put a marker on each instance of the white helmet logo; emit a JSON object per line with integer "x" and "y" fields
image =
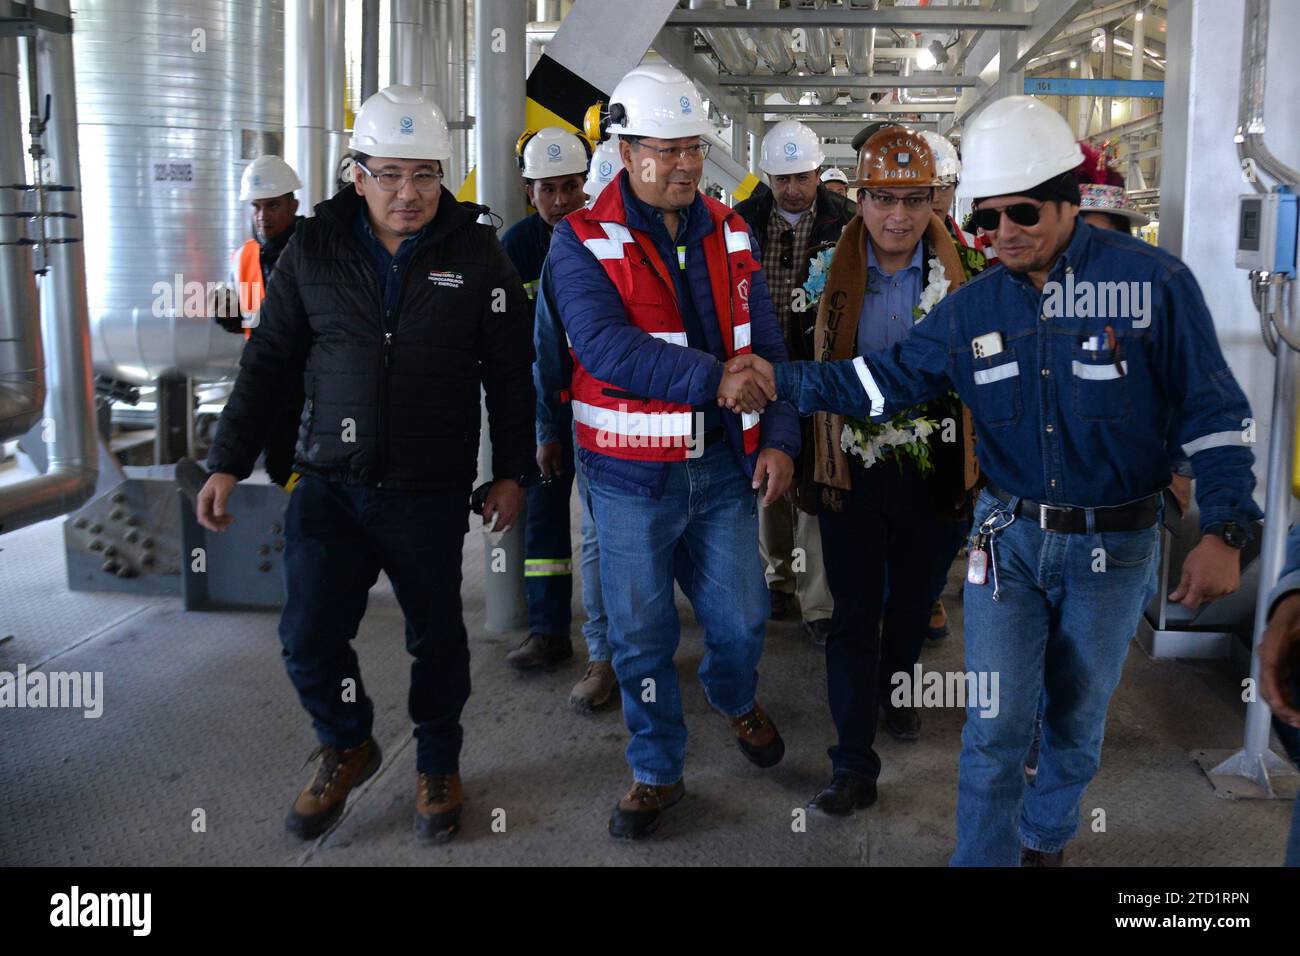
{"x": 686, "y": 104}
{"x": 553, "y": 151}
{"x": 407, "y": 124}
{"x": 606, "y": 168}
{"x": 791, "y": 150}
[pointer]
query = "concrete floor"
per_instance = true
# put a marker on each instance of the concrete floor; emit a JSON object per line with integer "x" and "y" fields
{"x": 199, "y": 714}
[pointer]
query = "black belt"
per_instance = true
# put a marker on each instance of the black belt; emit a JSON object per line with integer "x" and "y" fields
{"x": 1065, "y": 519}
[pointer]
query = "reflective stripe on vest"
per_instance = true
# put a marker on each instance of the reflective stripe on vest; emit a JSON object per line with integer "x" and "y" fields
{"x": 608, "y": 419}
{"x": 248, "y": 279}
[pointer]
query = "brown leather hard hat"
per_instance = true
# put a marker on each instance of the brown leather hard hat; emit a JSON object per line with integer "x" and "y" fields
{"x": 895, "y": 156}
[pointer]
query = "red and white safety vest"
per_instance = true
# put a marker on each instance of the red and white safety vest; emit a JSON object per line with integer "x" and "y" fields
{"x": 248, "y": 280}
{"x": 608, "y": 419}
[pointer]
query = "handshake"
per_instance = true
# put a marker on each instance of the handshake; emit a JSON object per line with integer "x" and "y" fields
{"x": 747, "y": 384}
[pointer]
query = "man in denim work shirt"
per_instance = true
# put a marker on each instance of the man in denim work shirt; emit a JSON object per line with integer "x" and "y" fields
{"x": 1073, "y": 409}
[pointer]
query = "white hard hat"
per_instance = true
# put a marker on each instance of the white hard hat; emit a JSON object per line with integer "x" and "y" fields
{"x": 835, "y": 173}
{"x": 605, "y": 164}
{"x": 657, "y": 100}
{"x": 1014, "y": 144}
{"x": 552, "y": 151}
{"x": 267, "y": 177}
{"x": 790, "y": 147}
{"x": 400, "y": 122}
{"x": 947, "y": 164}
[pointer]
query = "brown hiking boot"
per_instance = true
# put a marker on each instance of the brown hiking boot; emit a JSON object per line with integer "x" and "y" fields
{"x": 540, "y": 652}
{"x": 637, "y": 814}
{"x": 321, "y": 801}
{"x": 438, "y": 802}
{"x": 758, "y": 738}
{"x": 595, "y": 689}
{"x": 938, "y": 622}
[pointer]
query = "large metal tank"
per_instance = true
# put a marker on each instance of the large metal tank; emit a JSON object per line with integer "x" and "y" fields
{"x": 174, "y": 99}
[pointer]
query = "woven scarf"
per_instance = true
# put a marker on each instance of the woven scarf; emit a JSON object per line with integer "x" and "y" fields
{"x": 836, "y": 336}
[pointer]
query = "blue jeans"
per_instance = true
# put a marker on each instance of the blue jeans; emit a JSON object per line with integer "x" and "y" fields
{"x": 1058, "y": 635}
{"x": 337, "y": 539}
{"x": 596, "y": 628}
{"x": 704, "y": 530}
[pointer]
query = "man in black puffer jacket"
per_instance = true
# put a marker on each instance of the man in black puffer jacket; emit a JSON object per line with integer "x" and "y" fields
{"x": 395, "y": 306}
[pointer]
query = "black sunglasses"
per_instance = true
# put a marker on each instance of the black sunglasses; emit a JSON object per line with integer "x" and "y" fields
{"x": 1021, "y": 213}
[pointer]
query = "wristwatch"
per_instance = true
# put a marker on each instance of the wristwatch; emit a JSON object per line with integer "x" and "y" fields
{"x": 1234, "y": 535}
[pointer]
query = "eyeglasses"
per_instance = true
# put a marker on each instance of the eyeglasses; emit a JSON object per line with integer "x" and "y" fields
{"x": 1021, "y": 213}
{"x": 425, "y": 181}
{"x": 671, "y": 154}
{"x": 889, "y": 201}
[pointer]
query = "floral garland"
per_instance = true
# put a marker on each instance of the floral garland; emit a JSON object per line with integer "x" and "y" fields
{"x": 902, "y": 436}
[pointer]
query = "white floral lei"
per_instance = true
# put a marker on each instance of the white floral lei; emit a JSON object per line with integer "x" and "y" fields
{"x": 910, "y": 436}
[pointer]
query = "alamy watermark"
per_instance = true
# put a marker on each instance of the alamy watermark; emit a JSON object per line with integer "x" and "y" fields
{"x": 1086, "y": 299}
{"x": 76, "y": 690}
{"x": 978, "y": 689}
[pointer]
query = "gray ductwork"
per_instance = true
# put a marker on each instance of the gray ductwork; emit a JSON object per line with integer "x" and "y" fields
{"x": 1250, "y": 113}
{"x": 817, "y": 41}
{"x": 905, "y": 94}
{"x": 335, "y": 91}
{"x": 70, "y": 432}
{"x": 406, "y": 42}
{"x": 729, "y": 48}
{"x": 860, "y": 49}
{"x": 773, "y": 47}
{"x": 304, "y": 98}
{"x": 22, "y": 363}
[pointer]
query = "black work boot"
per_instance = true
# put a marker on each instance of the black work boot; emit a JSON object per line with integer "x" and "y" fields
{"x": 845, "y": 793}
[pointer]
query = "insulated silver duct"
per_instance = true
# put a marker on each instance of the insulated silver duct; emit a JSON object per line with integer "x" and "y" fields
{"x": 729, "y": 48}
{"x": 406, "y": 42}
{"x": 1250, "y": 112}
{"x": 22, "y": 361}
{"x": 817, "y": 41}
{"x": 69, "y": 407}
{"x": 305, "y": 110}
{"x": 335, "y": 92}
{"x": 860, "y": 49}
{"x": 164, "y": 158}
{"x": 906, "y": 94}
{"x": 772, "y": 46}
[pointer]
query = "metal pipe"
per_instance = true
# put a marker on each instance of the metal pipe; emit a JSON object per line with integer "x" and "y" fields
{"x": 335, "y": 67}
{"x": 369, "y": 48}
{"x": 22, "y": 359}
{"x": 458, "y": 102}
{"x": 904, "y": 93}
{"x": 304, "y": 99}
{"x": 70, "y": 400}
{"x": 1250, "y": 116}
{"x": 727, "y": 45}
{"x": 817, "y": 41}
{"x": 860, "y": 50}
{"x": 432, "y": 66}
{"x": 772, "y": 47}
{"x": 405, "y": 42}
{"x": 500, "y": 38}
